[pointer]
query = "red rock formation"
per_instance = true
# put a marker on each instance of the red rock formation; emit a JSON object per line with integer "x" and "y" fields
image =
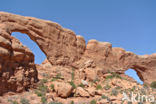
{"x": 63, "y": 47}
{"x": 60, "y": 45}
{"x": 17, "y": 68}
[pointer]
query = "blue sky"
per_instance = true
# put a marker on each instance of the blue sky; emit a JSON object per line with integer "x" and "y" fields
{"x": 130, "y": 24}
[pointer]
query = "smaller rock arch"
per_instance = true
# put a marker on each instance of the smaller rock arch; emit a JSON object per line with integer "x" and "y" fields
{"x": 132, "y": 73}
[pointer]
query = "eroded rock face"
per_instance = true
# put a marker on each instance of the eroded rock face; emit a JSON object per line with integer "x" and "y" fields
{"x": 63, "y": 47}
{"x": 17, "y": 68}
{"x": 119, "y": 60}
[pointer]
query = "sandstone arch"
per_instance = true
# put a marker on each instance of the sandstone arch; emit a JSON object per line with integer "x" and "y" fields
{"x": 133, "y": 74}
{"x": 52, "y": 39}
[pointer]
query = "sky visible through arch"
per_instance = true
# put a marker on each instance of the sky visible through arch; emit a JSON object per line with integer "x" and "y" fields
{"x": 129, "y": 24}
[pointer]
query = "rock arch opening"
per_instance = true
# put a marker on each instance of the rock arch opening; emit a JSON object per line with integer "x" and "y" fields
{"x": 25, "y": 40}
{"x": 133, "y": 74}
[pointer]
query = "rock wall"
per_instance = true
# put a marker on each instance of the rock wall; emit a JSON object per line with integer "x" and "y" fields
{"x": 63, "y": 47}
{"x": 17, "y": 69}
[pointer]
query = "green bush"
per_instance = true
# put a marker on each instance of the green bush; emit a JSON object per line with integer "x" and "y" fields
{"x": 44, "y": 100}
{"x": 145, "y": 85}
{"x": 95, "y": 80}
{"x": 98, "y": 87}
{"x": 114, "y": 92}
{"x": 43, "y": 88}
{"x": 153, "y": 84}
{"x": 72, "y": 84}
{"x": 109, "y": 77}
{"x": 52, "y": 86}
{"x": 81, "y": 85}
{"x": 133, "y": 89}
{"x": 104, "y": 97}
{"x": 140, "y": 103}
{"x": 14, "y": 102}
{"x": 114, "y": 75}
{"x": 129, "y": 103}
{"x": 54, "y": 103}
{"x": 58, "y": 76}
{"x": 42, "y": 81}
{"x": 73, "y": 74}
{"x": 24, "y": 101}
{"x": 72, "y": 102}
{"x": 93, "y": 102}
{"x": 107, "y": 87}
{"x": 53, "y": 79}
{"x": 38, "y": 93}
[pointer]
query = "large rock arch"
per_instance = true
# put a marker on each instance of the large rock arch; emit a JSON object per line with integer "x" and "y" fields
{"x": 60, "y": 45}
{"x": 63, "y": 47}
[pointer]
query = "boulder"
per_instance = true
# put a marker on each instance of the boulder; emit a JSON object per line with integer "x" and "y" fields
{"x": 63, "y": 89}
{"x": 81, "y": 92}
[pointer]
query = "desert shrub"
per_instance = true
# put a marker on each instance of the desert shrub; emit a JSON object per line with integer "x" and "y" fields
{"x": 153, "y": 103}
{"x": 54, "y": 103}
{"x": 58, "y": 76}
{"x": 72, "y": 84}
{"x": 114, "y": 92}
{"x": 38, "y": 93}
{"x": 81, "y": 85}
{"x": 117, "y": 87}
{"x": 95, "y": 80}
{"x": 153, "y": 85}
{"x": 104, "y": 97}
{"x": 44, "y": 100}
{"x": 122, "y": 102}
{"x": 93, "y": 102}
{"x": 145, "y": 85}
{"x": 72, "y": 102}
{"x": 73, "y": 74}
{"x": 14, "y": 102}
{"x": 129, "y": 102}
{"x": 42, "y": 81}
{"x": 140, "y": 103}
{"x": 117, "y": 75}
{"x": 113, "y": 75}
{"x": 143, "y": 91}
{"x": 109, "y": 77}
{"x": 24, "y": 101}
{"x": 98, "y": 87}
{"x": 134, "y": 88}
{"x": 107, "y": 87}
{"x": 45, "y": 75}
{"x": 41, "y": 90}
{"x": 52, "y": 86}
{"x": 53, "y": 79}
